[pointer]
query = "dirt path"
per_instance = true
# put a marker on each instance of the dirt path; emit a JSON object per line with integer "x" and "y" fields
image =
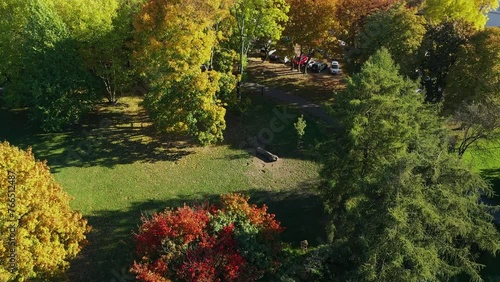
{"x": 314, "y": 87}
{"x": 282, "y": 96}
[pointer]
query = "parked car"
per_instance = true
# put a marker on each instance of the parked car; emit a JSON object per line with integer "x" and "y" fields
{"x": 335, "y": 68}
{"x": 318, "y": 66}
{"x": 311, "y": 63}
{"x": 273, "y": 57}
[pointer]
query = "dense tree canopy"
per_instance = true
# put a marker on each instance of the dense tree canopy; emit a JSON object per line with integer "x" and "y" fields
{"x": 403, "y": 208}
{"x": 107, "y": 51}
{"x": 38, "y": 230}
{"x": 233, "y": 241}
{"x": 350, "y": 16}
{"x": 472, "y": 92}
{"x": 399, "y": 29}
{"x": 57, "y": 94}
{"x": 476, "y": 74}
{"x": 309, "y": 23}
{"x": 12, "y": 23}
{"x": 438, "y": 53}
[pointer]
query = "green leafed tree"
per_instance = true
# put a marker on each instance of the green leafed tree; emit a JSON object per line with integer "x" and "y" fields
{"x": 402, "y": 207}
{"x": 350, "y": 16}
{"x": 472, "y": 11}
{"x": 256, "y": 19}
{"x": 438, "y": 53}
{"x": 52, "y": 81}
{"x": 108, "y": 51}
{"x": 85, "y": 19}
{"x": 13, "y": 20}
{"x": 399, "y": 29}
{"x": 473, "y": 88}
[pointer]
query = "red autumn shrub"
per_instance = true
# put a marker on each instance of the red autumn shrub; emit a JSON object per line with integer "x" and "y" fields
{"x": 235, "y": 241}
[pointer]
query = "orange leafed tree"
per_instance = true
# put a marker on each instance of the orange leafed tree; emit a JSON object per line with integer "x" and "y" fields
{"x": 310, "y": 22}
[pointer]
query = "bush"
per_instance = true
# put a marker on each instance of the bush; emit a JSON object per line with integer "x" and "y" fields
{"x": 234, "y": 241}
{"x": 300, "y": 128}
{"x": 39, "y": 233}
{"x": 314, "y": 264}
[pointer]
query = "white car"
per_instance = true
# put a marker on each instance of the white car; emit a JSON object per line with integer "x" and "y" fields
{"x": 335, "y": 68}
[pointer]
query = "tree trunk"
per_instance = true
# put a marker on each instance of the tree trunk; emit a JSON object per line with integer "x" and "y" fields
{"x": 212, "y": 51}
{"x": 298, "y": 61}
{"x": 308, "y": 60}
{"x": 242, "y": 42}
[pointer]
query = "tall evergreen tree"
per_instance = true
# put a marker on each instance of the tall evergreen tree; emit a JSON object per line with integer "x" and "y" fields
{"x": 403, "y": 208}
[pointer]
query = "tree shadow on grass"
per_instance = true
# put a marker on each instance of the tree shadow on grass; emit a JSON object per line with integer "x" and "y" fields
{"x": 110, "y": 252}
{"x": 104, "y": 139}
{"x": 493, "y": 176}
{"x": 300, "y": 211}
{"x": 271, "y": 126}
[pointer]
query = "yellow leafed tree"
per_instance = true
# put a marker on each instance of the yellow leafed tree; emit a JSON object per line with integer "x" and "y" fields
{"x": 472, "y": 11}
{"x": 173, "y": 39}
{"x": 39, "y": 233}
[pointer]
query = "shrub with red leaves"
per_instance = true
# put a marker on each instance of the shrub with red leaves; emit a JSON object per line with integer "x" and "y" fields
{"x": 235, "y": 241}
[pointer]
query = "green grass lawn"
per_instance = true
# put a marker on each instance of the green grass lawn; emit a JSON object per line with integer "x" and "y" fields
{"x": 485, "y": 159}
{"x": 117, "y": 167}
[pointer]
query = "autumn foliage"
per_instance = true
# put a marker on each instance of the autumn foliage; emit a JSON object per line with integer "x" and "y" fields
{"x": 173, "y": 39}
{"x": 351, "y": 15}
{"x": 38, "y": 229}
{"x": 234, "y": 241}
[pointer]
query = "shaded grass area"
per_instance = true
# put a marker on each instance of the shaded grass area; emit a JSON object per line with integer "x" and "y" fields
{"x": 315, "y": 87}
{"x": 485, "y": 159}
{"x": 115, "y": 134}
{"x": 117, "y": 167}
{"x": 271, "y": 125}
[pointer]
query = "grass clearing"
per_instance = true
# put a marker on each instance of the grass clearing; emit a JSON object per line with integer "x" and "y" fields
{"x": 117, "y": 167}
